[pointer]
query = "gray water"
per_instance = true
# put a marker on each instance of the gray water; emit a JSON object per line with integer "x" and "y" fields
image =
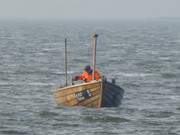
{"x": 143, "y": 56}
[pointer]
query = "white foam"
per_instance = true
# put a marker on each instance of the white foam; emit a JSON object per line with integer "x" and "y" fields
{"x": 174, "y": 97}
{"x": 134, "y": 74}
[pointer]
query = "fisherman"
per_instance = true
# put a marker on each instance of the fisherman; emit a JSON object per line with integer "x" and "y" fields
{"x": 87, "y": 75}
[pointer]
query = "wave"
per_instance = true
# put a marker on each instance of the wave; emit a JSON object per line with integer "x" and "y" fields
{"x": 38, "y": 72}
{"x": 29, "y": 84}
{"x": 135, "y": 74}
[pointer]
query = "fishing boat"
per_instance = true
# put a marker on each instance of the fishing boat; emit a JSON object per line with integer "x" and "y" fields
{"x": 95, "y": 94}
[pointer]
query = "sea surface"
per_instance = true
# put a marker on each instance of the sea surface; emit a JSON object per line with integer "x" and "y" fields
{"x": 143, "y": 56}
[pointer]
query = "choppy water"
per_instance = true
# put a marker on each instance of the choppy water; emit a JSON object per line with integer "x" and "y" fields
{"x": 143, "y": 55}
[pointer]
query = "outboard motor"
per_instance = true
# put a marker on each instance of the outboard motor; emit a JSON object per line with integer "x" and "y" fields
{"x": 113, "y": 81}
{"x": 104, "y": 79}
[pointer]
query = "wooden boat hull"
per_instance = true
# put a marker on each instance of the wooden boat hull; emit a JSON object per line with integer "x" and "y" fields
{"x": 93, "y": 94}
{"x": 86, "y": 94}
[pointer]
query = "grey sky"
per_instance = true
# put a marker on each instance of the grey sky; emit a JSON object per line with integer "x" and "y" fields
{"x": 89, "y": 9}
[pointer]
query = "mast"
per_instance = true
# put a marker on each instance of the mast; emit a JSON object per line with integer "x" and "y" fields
{"x": 65, "y": 61}
{"x": 94, "y": 53}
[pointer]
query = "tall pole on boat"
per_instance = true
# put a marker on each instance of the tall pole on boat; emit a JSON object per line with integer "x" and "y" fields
{"x": 65, "y": 61}
{"x": 94, "y": 53}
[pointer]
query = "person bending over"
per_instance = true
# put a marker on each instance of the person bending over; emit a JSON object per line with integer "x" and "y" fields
{"x": 87, "y": 75}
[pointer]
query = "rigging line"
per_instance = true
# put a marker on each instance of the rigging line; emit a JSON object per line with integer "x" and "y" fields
{"x": 72, "y": 40}
{"x": 67, "y": 35}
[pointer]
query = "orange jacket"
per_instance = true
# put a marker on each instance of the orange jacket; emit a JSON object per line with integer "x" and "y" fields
{"x": 88, "y": 77}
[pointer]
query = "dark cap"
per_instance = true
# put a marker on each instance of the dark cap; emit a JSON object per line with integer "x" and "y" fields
{"x": 87, "y": 68}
